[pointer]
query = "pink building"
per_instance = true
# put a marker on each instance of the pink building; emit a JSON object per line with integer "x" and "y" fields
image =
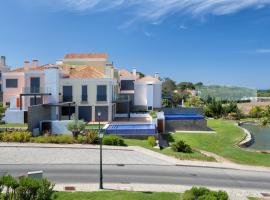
{"x": 26, "y": 80}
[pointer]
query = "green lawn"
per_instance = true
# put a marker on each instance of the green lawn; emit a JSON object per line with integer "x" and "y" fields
{"x": 13, "y": 125}
{"x": 224, "y": 143}
{"x": 116, "y": 195}
{"x": 167, "y": 151}
{"x": 94, "y": 126}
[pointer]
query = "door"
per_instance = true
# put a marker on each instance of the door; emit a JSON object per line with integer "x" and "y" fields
{"x": 85, "y": 113}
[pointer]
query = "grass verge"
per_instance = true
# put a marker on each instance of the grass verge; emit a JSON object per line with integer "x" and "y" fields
{"x": 117, "y": 195}
{"x": 13, "y": 125}
{"x": 169, "y": 152}
{"x": 224, "y": 143}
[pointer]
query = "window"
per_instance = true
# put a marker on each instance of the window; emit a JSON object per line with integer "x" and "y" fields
{"x": 35, "y": 85}
{"x": 84, "y": 93}
{"x": 66, "y": 111}
{"x": 67, "y": 93}
{"x": 127, "y": 85}
{"x": 101, "y": 93}
{"x": 11, "y": 83}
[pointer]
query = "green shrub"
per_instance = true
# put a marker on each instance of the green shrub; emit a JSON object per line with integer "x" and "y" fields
{"x": 204, "y": 194}
{"x": 256, "y": 112}
{"x": 15, "y": 136}
{"x": 56, "y": 139}
{"x": 45, "y": 191}
{"x": 81, "y": 139}
{"x": 30, "y": 189}
{"x": 181, "y": 146}
{"x": 11, "y": 184}
{"x": 76, "y": 126}
{"x": 151, "y": 141}
{"x": 91, "y": 137}
{"x": 113, "y": 140}
{"x": 153, "y": 114}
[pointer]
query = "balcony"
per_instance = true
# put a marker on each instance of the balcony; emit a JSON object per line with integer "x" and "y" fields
{"x": 36, "y": 90}
{"x": 67, "y": 98}
{"x": 84, "y": 99}
{"x": 121, "y": 98}
{"x": 101, "y": 98}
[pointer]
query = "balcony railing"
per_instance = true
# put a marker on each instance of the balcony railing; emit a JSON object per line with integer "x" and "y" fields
{"x": 67, "y": 98}
{"x": 119, "y": 98}
{"x": 84, "y": 98}
{"x": 35, "y": 90}
{"x": 101, "y": 97}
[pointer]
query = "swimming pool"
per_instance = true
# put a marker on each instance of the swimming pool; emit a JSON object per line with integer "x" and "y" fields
{"x": 131, "y": 129}
{"x": 169, "y": 117}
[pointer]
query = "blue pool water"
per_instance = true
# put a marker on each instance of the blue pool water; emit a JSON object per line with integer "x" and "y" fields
{"x": 183, "y": 117}
{"x": 131, "y": 129}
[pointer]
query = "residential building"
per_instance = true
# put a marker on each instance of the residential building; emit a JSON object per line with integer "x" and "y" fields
{"x": 80, "y": 84}
{"x": 3, "y": 68}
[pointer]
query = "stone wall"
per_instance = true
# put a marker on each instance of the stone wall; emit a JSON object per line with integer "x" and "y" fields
{"x": 186, "y": 125}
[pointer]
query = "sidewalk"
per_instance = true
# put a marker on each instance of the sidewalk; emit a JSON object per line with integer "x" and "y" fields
{"x": 168, "y": 159}
{"x": 234, "y": 194}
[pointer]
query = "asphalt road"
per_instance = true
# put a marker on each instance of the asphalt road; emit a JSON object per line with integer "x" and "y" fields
{"x": 152, "y": 174}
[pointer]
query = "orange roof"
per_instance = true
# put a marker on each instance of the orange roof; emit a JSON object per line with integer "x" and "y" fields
{"x": 148, "y": 79}
{"x": 32, "y": 69}
{"x": 85, "y": 55}
{"x": 87, "y": 72}
{"x": 124, "y": 72}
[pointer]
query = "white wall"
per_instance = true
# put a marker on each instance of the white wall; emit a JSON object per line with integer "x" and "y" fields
{"x": 140, "y": 96}
{"x": 14, "y": 116}
{"x": 148, "y": 95}
{"x": 52, "y": 83}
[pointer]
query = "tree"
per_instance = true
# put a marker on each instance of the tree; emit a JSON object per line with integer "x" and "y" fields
{"x": 76, "y": 126}
{"x": 185, "y": 86}
{"x": 141, "y": 74}
{"x": 168, "y": 87}
{"x": 199, "y": 84}
{"x": 194, "y": 101}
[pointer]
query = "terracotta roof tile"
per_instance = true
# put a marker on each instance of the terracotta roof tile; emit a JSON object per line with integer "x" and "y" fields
{"x": 148, "y": 79}
{"x": 43, "y": 67}
{"x": 87, "y": 72}
{"x": 85, "y": 55}
{"x": 124, "y": 72}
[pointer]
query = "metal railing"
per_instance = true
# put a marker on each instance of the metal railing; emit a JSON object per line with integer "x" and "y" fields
{"x": 35, "y": 90}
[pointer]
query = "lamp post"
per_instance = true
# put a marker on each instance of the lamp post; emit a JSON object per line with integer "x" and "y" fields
{"x": 100, "y": 145}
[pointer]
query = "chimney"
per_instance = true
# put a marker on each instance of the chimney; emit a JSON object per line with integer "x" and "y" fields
{"x": 26, "y": 65}
{"x": 156, "y": 75}
{"x": 3, "y": 61}
{"x": 34, "y": 63}
{"x": 134, "y": 71}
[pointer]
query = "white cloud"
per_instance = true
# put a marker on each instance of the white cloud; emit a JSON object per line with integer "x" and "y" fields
{"x": 156, "y": 10}
{"x": 263, "y": 51}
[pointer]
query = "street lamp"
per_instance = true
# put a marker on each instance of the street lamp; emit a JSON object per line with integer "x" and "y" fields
{"x": 100, "y": 135}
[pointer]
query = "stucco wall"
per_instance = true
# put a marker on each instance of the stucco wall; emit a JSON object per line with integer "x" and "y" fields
{"x": 36, "y": 114}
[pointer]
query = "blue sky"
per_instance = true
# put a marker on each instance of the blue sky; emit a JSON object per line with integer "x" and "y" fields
{"x": 214, "y": 41}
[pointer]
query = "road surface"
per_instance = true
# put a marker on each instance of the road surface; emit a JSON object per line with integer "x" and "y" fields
{"x": 147, "y": 174}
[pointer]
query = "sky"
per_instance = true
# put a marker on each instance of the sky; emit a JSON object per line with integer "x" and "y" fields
{"x": 223, "y": 42}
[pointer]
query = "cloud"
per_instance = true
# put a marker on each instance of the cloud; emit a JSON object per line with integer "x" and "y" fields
{"x": 183, "y": 27}
{"x": 156, "y": 10}
{"x": 262, "y": 51}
